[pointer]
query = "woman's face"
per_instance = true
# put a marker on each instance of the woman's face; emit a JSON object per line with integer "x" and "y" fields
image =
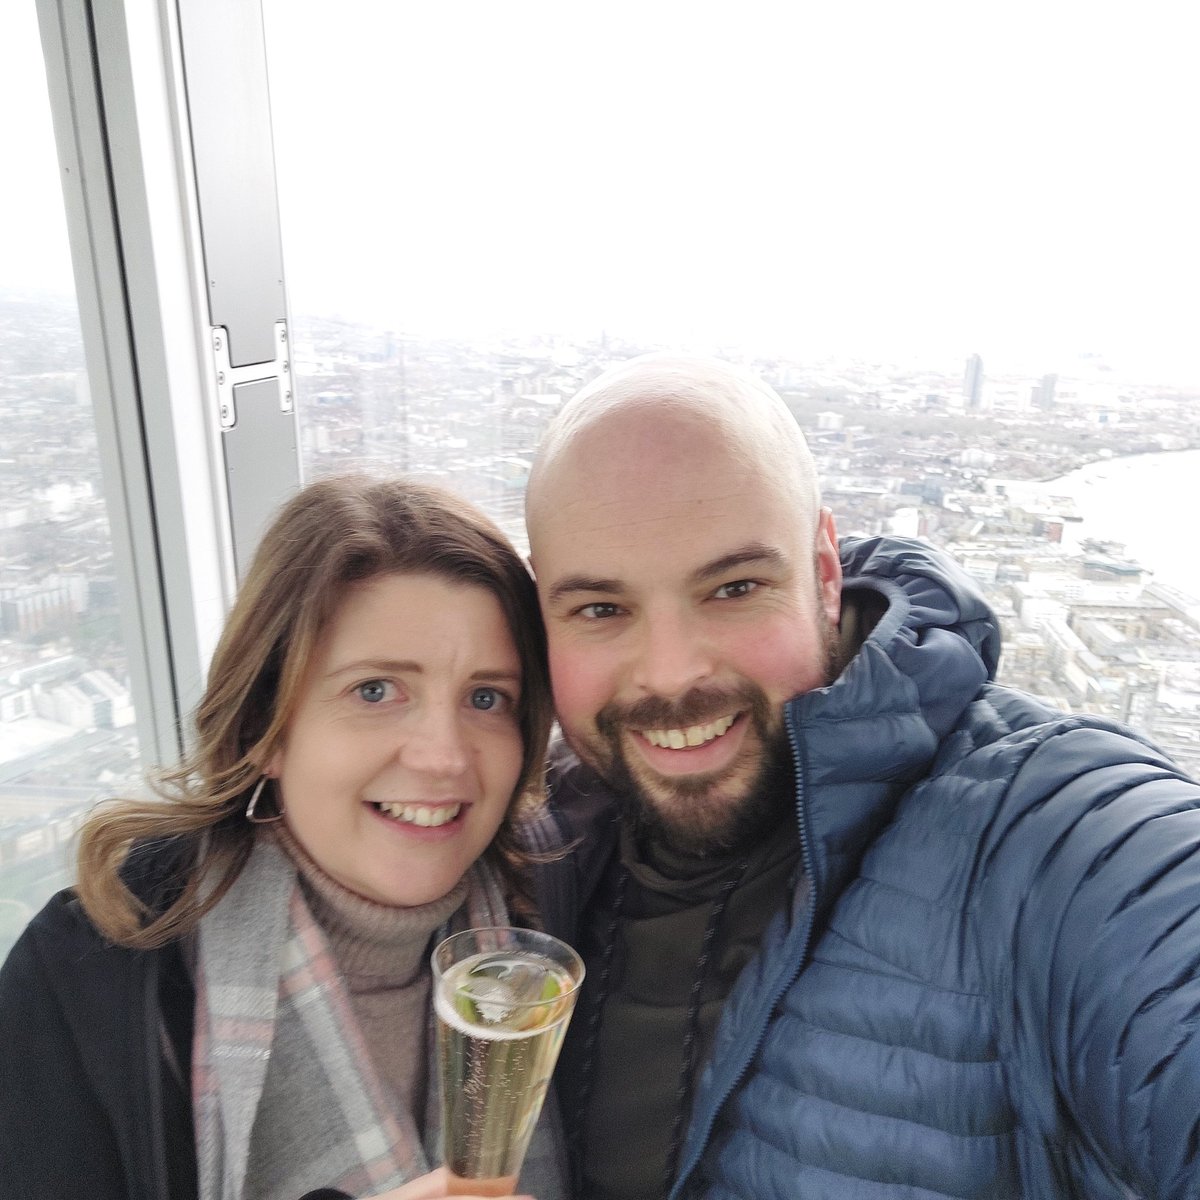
{"x": 404, "y": 750}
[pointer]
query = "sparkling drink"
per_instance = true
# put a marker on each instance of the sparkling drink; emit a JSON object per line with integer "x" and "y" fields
{"x": 503, "y": 998}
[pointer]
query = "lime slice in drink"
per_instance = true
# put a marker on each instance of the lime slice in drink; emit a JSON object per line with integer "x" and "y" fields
{"x": 465, "y": 1006}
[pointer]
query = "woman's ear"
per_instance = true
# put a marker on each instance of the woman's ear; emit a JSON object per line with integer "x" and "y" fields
{"x": 274, "y": 764}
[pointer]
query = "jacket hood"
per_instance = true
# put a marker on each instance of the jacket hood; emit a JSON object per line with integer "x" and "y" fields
{"x": 877, "y": 727}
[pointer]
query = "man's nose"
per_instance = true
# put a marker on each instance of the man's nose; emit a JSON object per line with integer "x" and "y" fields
{"x": 673, "y": 655}
{"x": 435, "y": 743}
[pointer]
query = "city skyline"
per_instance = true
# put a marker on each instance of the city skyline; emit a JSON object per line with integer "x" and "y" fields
{"x": 898, "y": 453}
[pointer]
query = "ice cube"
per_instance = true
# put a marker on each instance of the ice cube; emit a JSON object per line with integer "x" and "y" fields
{"x": 499, "y": 985}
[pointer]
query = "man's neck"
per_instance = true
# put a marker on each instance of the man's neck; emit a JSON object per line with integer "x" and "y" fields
{"x": 675, "y": 862}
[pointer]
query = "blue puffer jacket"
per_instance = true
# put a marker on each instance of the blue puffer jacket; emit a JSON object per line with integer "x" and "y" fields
{"x": 988, "y": 983}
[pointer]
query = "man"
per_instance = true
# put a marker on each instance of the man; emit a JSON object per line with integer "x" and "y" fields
{"x": 864, "y": 924}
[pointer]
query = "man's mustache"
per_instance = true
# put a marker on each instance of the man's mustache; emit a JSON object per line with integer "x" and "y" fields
{"x": 697, "y": 707}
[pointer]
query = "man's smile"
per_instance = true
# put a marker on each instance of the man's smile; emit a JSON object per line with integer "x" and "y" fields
{"x": 692, "y": 735}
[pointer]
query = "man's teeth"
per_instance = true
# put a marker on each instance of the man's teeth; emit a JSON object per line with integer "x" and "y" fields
{"x": 421, "y": 814}
{"x": 693, "y": 735}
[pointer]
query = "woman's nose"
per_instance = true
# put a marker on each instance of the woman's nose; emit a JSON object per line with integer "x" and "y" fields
{"x": 435, "y": 744}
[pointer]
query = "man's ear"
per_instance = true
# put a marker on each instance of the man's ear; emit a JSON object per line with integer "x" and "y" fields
{"x": 829, "y": 567}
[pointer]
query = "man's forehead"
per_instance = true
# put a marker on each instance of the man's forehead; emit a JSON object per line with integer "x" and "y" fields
{"x": 666, "y": 459}
{"x": 594, "y": 519}
{"x": 641, "y": 476}
{"x": 606, "y": 512}
{"x": 657, "y": 529}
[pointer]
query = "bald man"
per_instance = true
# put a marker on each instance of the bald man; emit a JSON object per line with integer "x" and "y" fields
{"x": 858, "y": 921}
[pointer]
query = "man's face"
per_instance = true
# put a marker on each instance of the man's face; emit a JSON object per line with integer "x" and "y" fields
{"x": 686, "y": 599}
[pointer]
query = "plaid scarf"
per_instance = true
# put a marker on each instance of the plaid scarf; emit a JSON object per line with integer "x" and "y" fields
{"x": 276, "y": 1038}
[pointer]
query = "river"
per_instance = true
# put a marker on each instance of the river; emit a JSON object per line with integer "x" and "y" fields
{"x": 1147, "y": 502}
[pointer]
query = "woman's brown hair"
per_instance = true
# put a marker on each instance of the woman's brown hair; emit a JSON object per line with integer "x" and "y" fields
{"x": 331, "y": 535}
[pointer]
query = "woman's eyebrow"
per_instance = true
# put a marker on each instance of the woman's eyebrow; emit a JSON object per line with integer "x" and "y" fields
{"x": 387, "y": 666}
{"x": 404, "y": 666}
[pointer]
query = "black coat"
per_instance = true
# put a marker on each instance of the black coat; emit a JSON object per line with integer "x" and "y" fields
{"x": 95, "y": 1056}
{"x": 91, "y": 1107}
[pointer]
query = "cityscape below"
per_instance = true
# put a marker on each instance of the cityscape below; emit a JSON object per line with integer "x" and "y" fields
{"x": 961, "y": 458}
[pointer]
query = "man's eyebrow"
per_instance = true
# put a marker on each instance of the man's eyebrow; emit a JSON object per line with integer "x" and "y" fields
{"x": 754, "y": 553}
{"x": 582, "y": 583}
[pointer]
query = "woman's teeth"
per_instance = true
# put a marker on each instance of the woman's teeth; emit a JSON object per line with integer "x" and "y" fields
{"x": 693, "y": 735}
{"x": 420, "y": 814}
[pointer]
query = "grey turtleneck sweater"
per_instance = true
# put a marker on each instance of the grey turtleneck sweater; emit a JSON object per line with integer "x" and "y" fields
{"x": 382, "y": 953}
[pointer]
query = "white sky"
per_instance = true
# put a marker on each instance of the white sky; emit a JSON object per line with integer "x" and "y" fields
{"x": 881, "y": 179}
{"x": 33, "y": 232}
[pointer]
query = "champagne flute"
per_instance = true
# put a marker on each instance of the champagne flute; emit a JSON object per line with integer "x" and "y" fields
{"x": 503, "y": 998}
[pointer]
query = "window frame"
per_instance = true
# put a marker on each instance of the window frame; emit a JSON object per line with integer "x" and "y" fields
{"x": 182, "y": 520}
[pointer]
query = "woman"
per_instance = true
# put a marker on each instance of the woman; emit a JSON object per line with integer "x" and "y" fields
{"x": 234, "y": 1001}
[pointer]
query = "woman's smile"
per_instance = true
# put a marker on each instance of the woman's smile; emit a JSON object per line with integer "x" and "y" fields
{"x": 405, "y": 749}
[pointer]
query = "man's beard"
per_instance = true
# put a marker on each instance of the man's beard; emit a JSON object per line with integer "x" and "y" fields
{"x": 716, "y": 813}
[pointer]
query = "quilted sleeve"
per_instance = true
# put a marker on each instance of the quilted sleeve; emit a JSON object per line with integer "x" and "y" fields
{"x": 1103, "y": 835}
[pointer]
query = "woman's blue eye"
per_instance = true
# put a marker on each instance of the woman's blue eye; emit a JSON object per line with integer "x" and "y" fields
{"x": 486, "y": 698}
{"x": 374, "y": 691}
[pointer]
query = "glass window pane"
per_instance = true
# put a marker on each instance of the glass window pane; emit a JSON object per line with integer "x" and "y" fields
{"x": 959, "y": 240}
{"x": 66, "y": 719}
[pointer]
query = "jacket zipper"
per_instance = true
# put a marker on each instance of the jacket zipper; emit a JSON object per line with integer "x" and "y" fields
{"x": 806, "y": 858}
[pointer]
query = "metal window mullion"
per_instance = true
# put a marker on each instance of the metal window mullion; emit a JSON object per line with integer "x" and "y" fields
{"x": 67, "y": 45}
{"x": 155, "y": 191}
{"x": 130, "y": 229}
{"x": 223, "y": 55}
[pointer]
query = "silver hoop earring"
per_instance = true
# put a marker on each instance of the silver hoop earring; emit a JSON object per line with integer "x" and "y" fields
{"x": 254, "y": 795}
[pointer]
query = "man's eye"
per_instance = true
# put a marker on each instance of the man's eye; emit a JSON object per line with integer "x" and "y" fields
{"x": 599, "y": 611}
{"x": 374, "y": 691}
{"x": 489, "y": 699}
{"x": 731, "y": 591}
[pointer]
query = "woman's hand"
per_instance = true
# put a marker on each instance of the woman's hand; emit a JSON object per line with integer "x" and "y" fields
{"x": 442, "y": 1183}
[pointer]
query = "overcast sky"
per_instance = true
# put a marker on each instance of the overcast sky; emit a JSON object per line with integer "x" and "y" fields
{"x": 916, "y": 180}
{"x": 33, "y": 235}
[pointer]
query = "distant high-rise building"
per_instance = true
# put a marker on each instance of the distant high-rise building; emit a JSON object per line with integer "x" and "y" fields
{"x": 973, "y": 382}
{"x": 1041, "y": 395}
{"x": 1139, "y": 699}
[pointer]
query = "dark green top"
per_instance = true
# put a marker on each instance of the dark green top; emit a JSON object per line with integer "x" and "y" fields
{"x": 637, "y": 1090}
